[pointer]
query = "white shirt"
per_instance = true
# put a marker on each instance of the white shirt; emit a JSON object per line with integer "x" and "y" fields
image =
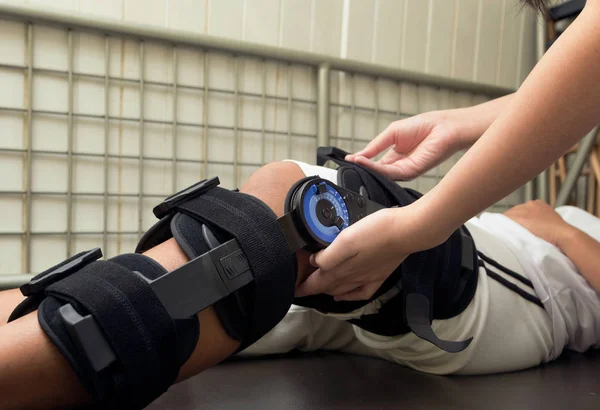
{"x": 573, "y": 305}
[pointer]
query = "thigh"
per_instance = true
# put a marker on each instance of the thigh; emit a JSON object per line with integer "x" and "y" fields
{"x": 306, "y": 330}
{"x": 517, "y": 334}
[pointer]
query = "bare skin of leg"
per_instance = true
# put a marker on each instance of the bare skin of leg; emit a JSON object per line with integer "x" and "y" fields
{"x": 28, "y": 358}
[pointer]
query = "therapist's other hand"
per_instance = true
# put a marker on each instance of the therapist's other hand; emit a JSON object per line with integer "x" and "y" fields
{"x": 417, "y": 144}
{"x": 540, "y": 219}
{"x": 363, "y": 255}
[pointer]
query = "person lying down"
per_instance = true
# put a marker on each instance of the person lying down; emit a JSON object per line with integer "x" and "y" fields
{"x": 523, "y": 290}
{"x": 537, "y": 293}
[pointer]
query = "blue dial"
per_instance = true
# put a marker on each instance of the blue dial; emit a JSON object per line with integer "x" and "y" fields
{"x": 311, "y": 197}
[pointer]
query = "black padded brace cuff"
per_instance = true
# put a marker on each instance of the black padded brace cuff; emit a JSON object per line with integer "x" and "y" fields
{"x": 232, "y": 310}
{"x": 148, "y": 345}
{"x": 249, "y": 270}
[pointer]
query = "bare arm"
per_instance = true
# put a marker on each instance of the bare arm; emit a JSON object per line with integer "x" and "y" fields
{"x": 477, "y": 119}
{"x": 544, "y": 222}
{"x": 555, "y": 107}
{"x": 584, "y": 252}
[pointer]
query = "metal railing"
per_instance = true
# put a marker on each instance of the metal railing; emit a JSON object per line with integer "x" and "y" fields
{"x": 322, "y": 67}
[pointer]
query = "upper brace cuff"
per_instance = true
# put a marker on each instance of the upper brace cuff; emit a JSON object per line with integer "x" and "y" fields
{"x": 201, "y": 219}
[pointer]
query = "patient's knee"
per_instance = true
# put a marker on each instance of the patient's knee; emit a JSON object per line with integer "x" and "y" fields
{"x": 272, "y": 182}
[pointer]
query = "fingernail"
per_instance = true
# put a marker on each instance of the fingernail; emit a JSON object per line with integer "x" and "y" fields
{"x": 312, "y": 261}
{"x": 349, "y": 157}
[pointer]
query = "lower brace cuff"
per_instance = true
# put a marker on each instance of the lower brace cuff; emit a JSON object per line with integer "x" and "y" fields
{"x": 148, "y": 345}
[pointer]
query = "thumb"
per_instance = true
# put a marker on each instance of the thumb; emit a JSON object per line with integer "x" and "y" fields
{"x": 361, "y": 293}
{"x": 315, "y": 284}
{"x": 334, "y": 255}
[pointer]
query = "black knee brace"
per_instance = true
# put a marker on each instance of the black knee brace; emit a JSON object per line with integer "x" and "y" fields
{"x": 111, "y": 327}
{"x": 126, "y": 326}
{"x": 437, "y": 283}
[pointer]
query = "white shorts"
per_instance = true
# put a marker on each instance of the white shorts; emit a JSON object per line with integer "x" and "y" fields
{"x": 510, "y": 333}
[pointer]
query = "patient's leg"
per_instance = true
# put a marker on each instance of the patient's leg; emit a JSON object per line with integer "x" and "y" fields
{"x": 9, "y": 299}
{"x": 28, "y": 358}
{"x": 306, "y": 330}
{"x": 270, "y": 184}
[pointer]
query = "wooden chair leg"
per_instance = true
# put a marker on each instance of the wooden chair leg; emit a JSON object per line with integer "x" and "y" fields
{"x": 595, "y": 163}
{"x": 597, "y": 198}
{"x": 562, "y": 169}
{"x": 553, "y": 185}
{"x": 591, "y": 191}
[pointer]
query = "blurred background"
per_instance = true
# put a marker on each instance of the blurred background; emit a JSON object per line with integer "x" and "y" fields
{"x": 106, "y": 107}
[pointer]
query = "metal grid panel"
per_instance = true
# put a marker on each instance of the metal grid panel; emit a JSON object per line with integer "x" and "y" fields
{"x": 273, "y": 136}
{"x": 224, "y": 114}
{"x": 409, "y": 99}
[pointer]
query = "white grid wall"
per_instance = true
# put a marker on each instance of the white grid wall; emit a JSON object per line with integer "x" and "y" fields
{"x": 95, "y": 130}
{"x": 118, "y": 124}
{"x": 363, "y": 106}
{"x": 489, "y": 41}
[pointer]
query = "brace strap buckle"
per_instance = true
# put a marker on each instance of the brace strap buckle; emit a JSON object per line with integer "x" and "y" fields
{"x": 184, "y": 195}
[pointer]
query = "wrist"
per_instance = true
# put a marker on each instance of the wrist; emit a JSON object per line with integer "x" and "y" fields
{"x": 565, "y": 235}
{"x": 470, "y": 125}
{"x": 415, "y": 218}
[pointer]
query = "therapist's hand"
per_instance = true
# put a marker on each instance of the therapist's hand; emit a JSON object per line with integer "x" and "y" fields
{"x": 363, "y": 255}
{"x": 417, "y": 144}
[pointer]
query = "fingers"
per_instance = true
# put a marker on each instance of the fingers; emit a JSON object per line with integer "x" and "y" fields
{"x": 386, "y": 170}
{"x": 323, "y": 280}
{"x": 401, "y": 170}
{"x": 337, "y": 253}
{"x": 381, "y": 142}
{"x": 344, "y": 288}
{"x": 361, "y": 293}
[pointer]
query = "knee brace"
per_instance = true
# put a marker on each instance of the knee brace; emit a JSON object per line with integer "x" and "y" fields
{"x": 126, "y": 326}
{"x": 111, "y": 327}
{"x": 200, "y": 223}
{"x": 437, "y": 283}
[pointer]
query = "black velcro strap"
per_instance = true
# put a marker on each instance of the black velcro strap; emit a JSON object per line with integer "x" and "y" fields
{"x": 62, "y": 270}
{"x": 253, "y": 224}
{"x": 135, "y": 324}
{"x": 35, "y": 287}
{"x": 417, "y": 306}
{"x": 334, "y": 154}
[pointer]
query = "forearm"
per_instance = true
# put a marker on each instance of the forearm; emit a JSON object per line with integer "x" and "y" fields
{"x": 477, "y": 119}
{"x": 553, "y": 109}
{"x": 584, "y": 252}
